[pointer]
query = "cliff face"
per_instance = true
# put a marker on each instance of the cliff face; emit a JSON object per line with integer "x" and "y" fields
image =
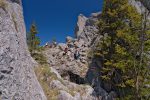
{"x": 86, "y": 28}
{"x": 17, "y": 78}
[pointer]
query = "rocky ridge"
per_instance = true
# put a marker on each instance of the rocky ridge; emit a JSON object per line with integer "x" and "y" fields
{"x": 80, "y": 72}
{"x": 86, "y": 31}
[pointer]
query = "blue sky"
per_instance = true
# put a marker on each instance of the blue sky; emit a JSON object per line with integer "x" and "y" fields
{"x": 57, "y": 18}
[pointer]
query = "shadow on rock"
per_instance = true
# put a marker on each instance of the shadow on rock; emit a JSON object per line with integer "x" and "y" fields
{"x": 103, "y": 91}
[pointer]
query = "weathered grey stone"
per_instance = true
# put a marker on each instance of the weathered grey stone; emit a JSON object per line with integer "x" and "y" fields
{"x": 86, "y": 28}
{"x": 62, "y": 46}
{"x": 65, "y": 96}
{"x": 80, "y": 25}
{"x": 17, "y": 77}
{"x": 55, "y": 71}
{"x": 55, "y": 84}
{"x": 69, "y": 39}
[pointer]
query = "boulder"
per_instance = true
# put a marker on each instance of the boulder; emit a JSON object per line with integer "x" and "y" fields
{"x": 55, "y": 71}
{"x": 55, "y": 84}
{"x": 69, "y": 39}
{"x": 65, "y": 96}
{"x": 62, "y": 46}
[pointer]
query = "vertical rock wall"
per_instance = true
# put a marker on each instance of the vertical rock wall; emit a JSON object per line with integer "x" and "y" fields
{"x": 17, "y": 77}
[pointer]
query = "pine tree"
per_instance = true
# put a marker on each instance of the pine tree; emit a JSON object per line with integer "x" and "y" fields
{"x": 33, "y": 40}
{"x": 124, "y": 48}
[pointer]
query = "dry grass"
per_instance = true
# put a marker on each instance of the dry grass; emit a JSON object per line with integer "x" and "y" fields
{"x": 45, "y": 76}
{"x": 3, "y": 4}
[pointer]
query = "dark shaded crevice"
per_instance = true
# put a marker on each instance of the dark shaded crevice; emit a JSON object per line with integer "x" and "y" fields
{"x": 70, "y": 76}
{"x": 76, "y": 78}
{"x": 8, "y": 71}
{"x": 1, "y": 77}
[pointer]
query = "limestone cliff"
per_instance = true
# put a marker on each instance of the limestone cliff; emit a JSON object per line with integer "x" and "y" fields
{"x": 86, "y": 28}
{"x": 17, "y": 77}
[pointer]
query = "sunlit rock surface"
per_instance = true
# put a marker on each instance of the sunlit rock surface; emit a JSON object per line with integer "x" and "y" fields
{"x": 17, "y": 78}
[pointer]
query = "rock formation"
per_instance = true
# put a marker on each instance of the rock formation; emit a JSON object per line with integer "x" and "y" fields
{"x": 17, "y": 77}
{"x": 86, "y": 28}
{"x": 86, "y": 32}
{"x": 84, "y": 70}
{"x": 78, "y": 71}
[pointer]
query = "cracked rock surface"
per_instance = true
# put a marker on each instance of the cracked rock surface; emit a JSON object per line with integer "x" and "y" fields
{"x": 17, "y": 78}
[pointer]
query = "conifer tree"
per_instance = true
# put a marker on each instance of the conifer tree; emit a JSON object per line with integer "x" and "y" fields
{"x": 124, "y": 48}
{"x": 33, "y": 40}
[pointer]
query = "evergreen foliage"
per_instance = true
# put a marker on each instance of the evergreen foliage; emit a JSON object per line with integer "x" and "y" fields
{"x": 125, "y": 47}
{"x": 33, "y": 40}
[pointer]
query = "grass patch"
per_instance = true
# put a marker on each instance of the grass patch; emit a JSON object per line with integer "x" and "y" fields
{"x": 45, "y": 76}
{"x": 40, "y": 58}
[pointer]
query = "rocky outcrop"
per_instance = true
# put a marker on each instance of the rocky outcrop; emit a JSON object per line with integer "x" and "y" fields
{"x": 57, "y": 88}
{"x": 86, "y": 28}
{"x": 79, "y": 71}
{"x": 17, "y": 78}
{"x": 65, "y": 62}
{"x": 141, "y": 5}
{"x": 80, "y": 25}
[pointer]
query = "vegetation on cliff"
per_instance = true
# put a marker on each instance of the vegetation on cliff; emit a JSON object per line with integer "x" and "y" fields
{"x": 33, "y": 40}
